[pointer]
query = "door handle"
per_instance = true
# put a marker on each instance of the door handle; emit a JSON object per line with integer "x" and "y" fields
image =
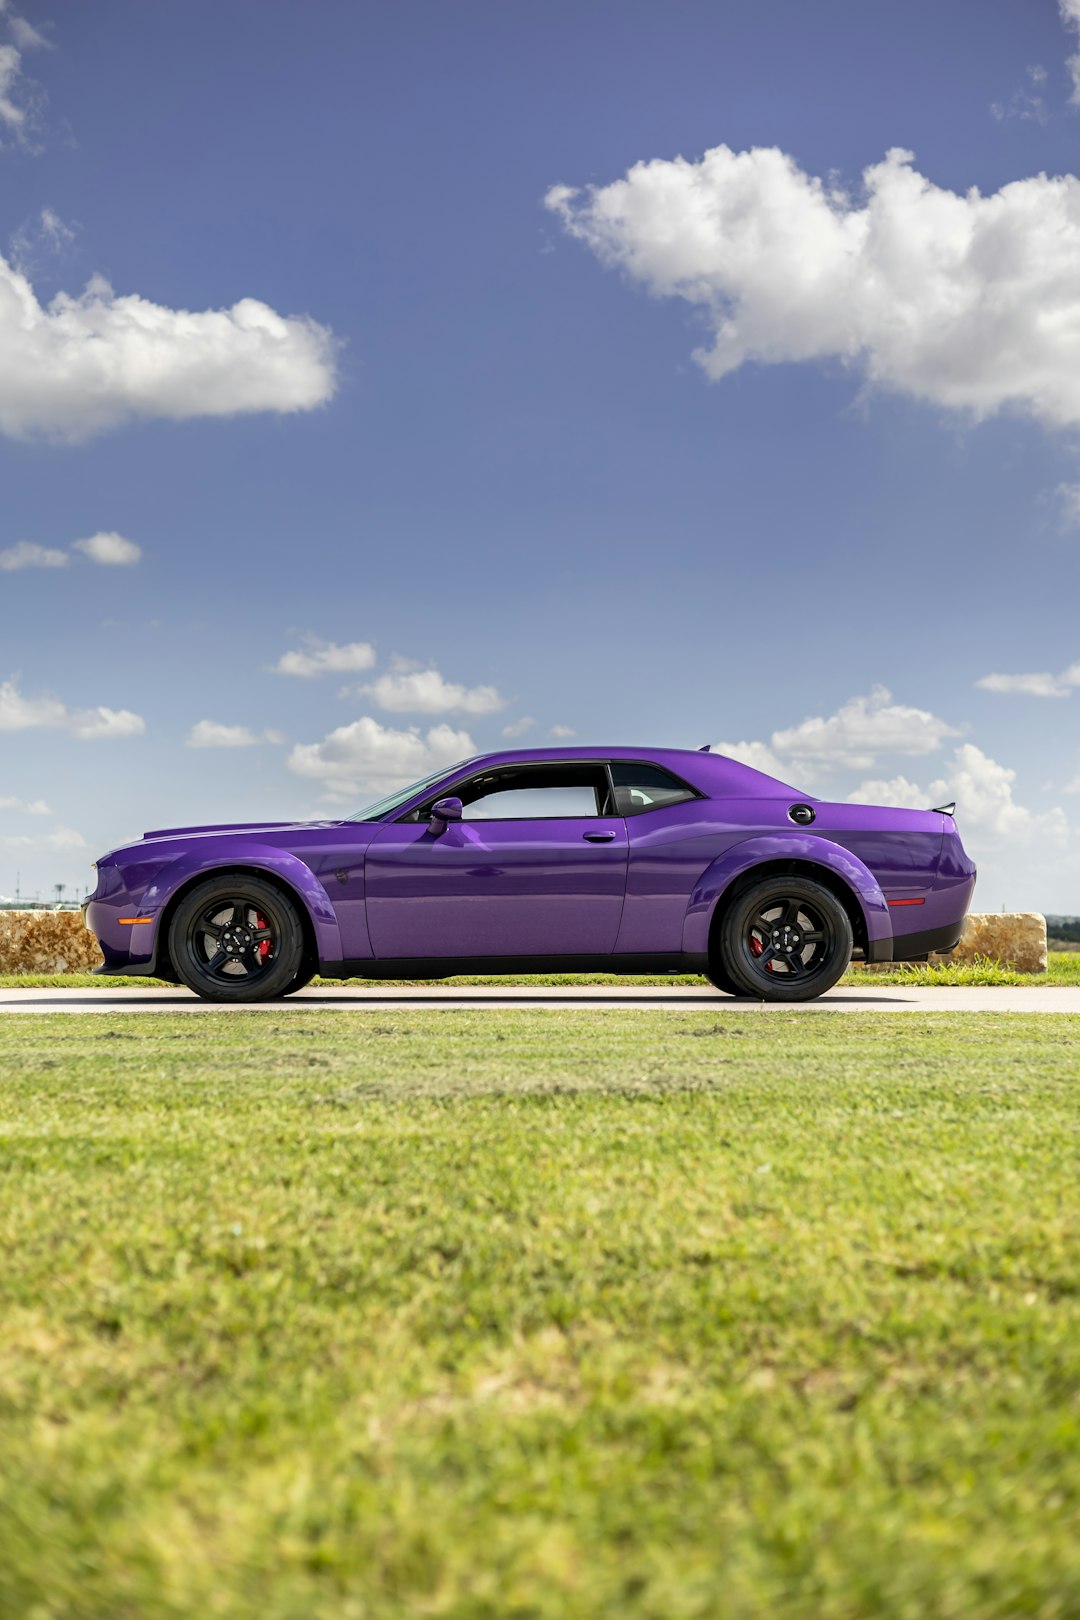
{"x": 599, "y": 837}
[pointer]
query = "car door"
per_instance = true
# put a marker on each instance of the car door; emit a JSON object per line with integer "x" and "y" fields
{"x": 533, "y": 869}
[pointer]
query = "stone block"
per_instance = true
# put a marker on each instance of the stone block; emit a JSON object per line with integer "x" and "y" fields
{"x": 1016, "y": 939}
{"x": 46, "y": 942}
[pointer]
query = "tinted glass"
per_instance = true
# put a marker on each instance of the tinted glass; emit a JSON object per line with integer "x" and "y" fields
{"x": 532, "y": 804}
{"x": 529, "y": 792}
{"x": 645, "y": 787}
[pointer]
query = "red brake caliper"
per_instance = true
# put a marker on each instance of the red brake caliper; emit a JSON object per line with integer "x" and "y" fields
{"x": 756, "y": 948}
{"x": 264, "y": 944}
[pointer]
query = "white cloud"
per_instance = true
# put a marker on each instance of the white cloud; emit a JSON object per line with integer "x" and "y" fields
{"x": 368, "y": 757}
{"x": 1041, "y": 684}
{"x": 325, "y": 658}
{"x": 44, "y": 236}
{"x": 25, "y": 807}
{"x": 898, "y": 791}
{"x": 1070, "y": 16}
{"x": 83, "y": 364}
{"x": 518, "y": 728}
{"x": 758, "y": 755}
{"x": 425, "y": 691}
{"x": 11, "y": 113}
{"x": 212, "y": 734}
{"x": 62, "y": 838}
{"x": 854, "y": 737}
{"x": 967, "y": 301}
{"x": 1070, "y": 505}
{"x": 110, "y": 549}
{"x": 861, "y": 729}
{"x": 983, "y": 790}
{"x": 92, "y": 725}
{"x": 1028, "y": 103}
{"x": 562, "y": 733}
{"x": 25, "y": 34}
{"x": 19, "y": 713}
{"x": 28, "y": 554}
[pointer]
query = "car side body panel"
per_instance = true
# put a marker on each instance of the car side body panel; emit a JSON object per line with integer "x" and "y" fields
{"x": 537, "y": 894}
{"x": 744, "y": 856}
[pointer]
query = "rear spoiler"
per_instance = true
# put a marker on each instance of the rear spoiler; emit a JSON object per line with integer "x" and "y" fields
{"x": 945, "y": 809}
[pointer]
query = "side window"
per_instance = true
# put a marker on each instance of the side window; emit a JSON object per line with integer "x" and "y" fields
{"x": 645, "y": 787}
{"x": 532, "y": 804}
{"x": 532, "y": 793}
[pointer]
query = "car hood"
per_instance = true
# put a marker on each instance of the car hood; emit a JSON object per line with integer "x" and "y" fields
{"x": 230, "y": 827}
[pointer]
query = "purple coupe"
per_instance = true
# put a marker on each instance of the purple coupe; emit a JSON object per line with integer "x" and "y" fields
{"x": 566, "y": 860}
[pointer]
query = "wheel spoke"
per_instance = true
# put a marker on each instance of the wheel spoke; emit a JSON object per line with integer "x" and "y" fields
{"x": 763, "y": 925}
{"x": 240, "y": 911}
{"x": 259, "y": 934}
{"x": 217, "y": 962}
{"x": 794, "y": 963}
{"x": 790, "y": 914}
{"x": 212, "y": 930}
{"x": 767, "y": 955}
{"x": 251, "y": 961}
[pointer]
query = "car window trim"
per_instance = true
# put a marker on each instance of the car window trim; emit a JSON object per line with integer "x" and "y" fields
{"x": 648, "y": 809}
{"x": 449, "y": 790}
{"x": 603, "y": 762}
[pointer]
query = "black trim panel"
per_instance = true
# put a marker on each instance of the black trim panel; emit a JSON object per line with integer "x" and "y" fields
{"x": 426, "y": 967}
{"x": 908, "y": 947}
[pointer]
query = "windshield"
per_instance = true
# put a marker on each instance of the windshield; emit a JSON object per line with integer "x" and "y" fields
{"x": 383, "y": 807}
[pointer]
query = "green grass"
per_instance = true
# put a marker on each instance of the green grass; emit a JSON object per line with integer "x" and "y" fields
{"x": 539, "y": 1315}
{"x": 1063, "y": 968}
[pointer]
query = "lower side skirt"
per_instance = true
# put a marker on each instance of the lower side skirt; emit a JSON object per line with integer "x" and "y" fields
{"x": 424, "y": 967}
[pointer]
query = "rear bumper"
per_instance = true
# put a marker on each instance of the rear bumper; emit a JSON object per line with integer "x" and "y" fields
{"x": 910, "y": 947}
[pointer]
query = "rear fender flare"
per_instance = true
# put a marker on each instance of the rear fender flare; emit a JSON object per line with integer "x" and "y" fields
{"x": 288, "y": 869}
{"x": 741, "y": 858}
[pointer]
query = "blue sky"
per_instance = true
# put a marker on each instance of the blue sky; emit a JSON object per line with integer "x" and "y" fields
{"x": 459, "y": 434}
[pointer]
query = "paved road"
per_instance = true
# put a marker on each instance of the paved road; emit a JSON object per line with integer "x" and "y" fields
{"x": 679, "y": 998}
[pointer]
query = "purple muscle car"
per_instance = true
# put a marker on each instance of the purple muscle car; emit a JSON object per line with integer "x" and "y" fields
{"x": 623, "y": 860}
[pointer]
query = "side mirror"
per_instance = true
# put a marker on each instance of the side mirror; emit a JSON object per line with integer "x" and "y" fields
{"x": 442, "y": 813}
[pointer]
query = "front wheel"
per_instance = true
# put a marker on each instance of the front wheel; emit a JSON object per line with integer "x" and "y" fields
{"x": 237, "y": 938}
{"x": 784, "y": 939}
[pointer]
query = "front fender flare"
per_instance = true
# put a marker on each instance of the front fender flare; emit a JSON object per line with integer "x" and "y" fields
{"x": 742, "y": 857}
{"x": 259, "y": 858}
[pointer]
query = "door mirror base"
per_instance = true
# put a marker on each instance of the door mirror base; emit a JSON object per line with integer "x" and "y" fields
{"x": 443, "y": 812}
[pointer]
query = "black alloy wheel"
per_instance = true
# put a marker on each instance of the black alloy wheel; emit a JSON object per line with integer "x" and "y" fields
{"x": 784, "y": 939}
{"x": 237, "y": 937}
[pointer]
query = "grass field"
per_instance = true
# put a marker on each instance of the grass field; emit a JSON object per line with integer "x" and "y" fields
{"x": 539, "y": 1315}
{"x": 1063, "y": 968}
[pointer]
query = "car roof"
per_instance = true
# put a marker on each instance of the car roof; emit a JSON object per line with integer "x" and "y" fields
{"x": 715, "y": 775}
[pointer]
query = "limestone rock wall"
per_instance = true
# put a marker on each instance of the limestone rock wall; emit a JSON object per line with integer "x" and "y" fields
{"x": 1016, "y": 939}
{"x": 46, "y": 942}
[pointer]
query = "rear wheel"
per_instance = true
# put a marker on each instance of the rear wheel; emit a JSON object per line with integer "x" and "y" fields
{"x": 302, "y": 980}
{"x": 237, "y": 938}
{"x": 786, "y": 938}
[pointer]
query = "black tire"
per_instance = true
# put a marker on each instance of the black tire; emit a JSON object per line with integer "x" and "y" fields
{"x": 302, "y": 980}
{"x": 718, "y": 975}
{"x": 784, "y": 939}
{"x": 237, "y": 937}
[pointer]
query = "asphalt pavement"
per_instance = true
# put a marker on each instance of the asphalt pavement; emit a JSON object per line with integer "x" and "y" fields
{"x": 679, "y": 998}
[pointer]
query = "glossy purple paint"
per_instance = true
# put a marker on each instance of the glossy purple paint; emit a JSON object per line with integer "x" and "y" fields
{"x": 619, "y": 891}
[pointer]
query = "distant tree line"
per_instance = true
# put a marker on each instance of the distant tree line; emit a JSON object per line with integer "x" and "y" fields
{"x": 1064, "y": 928}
